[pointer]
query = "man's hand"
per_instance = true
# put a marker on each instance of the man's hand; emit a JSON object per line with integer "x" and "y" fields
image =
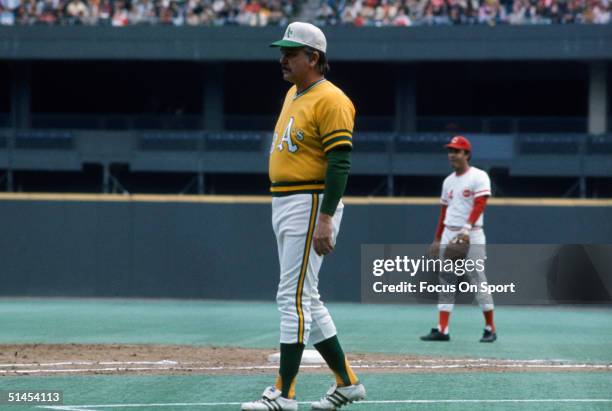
{"x": 434, "y": 249}
{"x": 323, "y": 240}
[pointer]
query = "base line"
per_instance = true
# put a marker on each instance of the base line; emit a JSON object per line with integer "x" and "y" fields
{"x": 275, "y": 367}
{"x": 440, "y": 401}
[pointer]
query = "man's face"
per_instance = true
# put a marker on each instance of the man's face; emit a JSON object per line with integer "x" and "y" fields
{"x": 457, "y": 158}
{"x": 295, "y": 64}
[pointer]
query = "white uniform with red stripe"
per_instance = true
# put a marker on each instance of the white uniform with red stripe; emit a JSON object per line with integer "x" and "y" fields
{"x": 458, "y": 194}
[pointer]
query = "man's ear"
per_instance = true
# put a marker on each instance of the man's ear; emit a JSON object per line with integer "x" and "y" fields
{"x": 313, "y": 62}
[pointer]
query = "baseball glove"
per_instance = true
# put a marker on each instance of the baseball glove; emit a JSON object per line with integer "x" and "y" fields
{"x": 457, "y": 248}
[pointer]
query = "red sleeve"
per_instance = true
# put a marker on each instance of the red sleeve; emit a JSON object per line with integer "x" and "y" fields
{"x": 479, "y": 205}
{"x": 440, "y": 226}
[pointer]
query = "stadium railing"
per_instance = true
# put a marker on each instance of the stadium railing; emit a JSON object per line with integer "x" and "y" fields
{"x": 424, "y": 124}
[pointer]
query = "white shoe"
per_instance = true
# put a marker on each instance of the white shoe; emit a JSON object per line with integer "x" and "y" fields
{"x": 271, "y": 400}
{"x": 336, "y": 397}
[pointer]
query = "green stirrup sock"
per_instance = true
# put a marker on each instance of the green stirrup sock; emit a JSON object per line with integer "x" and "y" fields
{"x": 291, "y": 357}
{"x": 332, "y": 353}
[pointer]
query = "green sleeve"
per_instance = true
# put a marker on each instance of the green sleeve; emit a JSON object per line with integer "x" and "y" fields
{"x": 338, "y": 167}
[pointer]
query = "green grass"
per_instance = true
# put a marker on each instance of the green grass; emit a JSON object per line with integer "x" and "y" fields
{"x": 99, "y": 390}
{"x": 569, "y": 333}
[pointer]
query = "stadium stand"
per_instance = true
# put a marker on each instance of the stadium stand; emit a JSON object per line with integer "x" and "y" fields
{"x": 169, "y": 12}
{"x": 328, "y": 12}
{"x": 151, "y": 117}
{"x": 370, "y": 142}
{"x": 229, "y": 141}
{"x": 44, "y": 140}
{"x": 462, "y": 12}
{"x": 170, "y": 141}
{"x": 600, "y": 145}
{"x": 550, "y": 144}
{"x": 422, "y": 143}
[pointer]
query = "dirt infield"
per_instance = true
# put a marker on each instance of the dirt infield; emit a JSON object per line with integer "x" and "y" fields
{"x": 89, "y": 359}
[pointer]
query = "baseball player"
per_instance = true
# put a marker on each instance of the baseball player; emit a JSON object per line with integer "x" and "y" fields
{"x": 464, "y": 198}
{"x": 309, "y": 166}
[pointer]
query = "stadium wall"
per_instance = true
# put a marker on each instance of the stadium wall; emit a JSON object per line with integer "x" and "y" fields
{"x": 391, "y": 44}
{"x": 224, "y": 248}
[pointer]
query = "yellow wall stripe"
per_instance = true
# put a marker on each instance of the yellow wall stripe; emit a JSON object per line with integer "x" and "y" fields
{"x": 137, "y": 198}
{"x": 536, "y": 202}
{"x": 266, "y": 199}
{"x": 304, "y": 268}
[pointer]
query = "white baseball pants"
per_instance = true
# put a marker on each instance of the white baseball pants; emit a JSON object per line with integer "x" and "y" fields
{"x": 304, "y": 318}
{"x": 446, "y": 301}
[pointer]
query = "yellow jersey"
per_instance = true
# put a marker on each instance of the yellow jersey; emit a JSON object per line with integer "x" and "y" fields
{"x": 311, "y": 123}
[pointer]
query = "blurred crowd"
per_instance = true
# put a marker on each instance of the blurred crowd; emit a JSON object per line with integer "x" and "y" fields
{"x": 462, "y": 12}
{"x": 131, "y": 12}
{"x": 279, "y": 12}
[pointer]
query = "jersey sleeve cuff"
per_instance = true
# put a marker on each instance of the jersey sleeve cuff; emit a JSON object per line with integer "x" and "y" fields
{"x": 482, "y": 193}
{"x": 333, "y": 134}
{"x": 336, "y": 142}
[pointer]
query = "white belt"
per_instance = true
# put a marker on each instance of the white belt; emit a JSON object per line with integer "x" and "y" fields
{"x": 455, "y": 228}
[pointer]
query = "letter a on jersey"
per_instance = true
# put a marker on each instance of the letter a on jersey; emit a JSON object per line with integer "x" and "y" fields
{"x": 287, "y": 138}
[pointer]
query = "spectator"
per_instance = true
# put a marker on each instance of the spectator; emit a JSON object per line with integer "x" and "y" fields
{"x": 601, "y": 12}
{"x": 8, "y": 10}
{"x": 402, "y": 19}
{"x": 7, "y": 17}
{"x": 120, "y": 15}
{"x": 10, "y": 5}
{"x": 77, "y": 12}
{"x": 105, "y": 12}
{"x": 326, "y": 15}
{"x": 490, "y": 13}
{"x": 439, "y": 12}
{"x": 49, "y": 11}
{"x": 352, "y": 13}
{"x": 143, "y": 11}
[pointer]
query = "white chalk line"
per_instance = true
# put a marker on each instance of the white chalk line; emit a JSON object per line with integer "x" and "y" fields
{"x": 425, "y": 401}
{"x": 52, "y": 364}
{"x": 356, "y": 362}
{"x": 446, "y": 360}
{"x": 274, "y": 367}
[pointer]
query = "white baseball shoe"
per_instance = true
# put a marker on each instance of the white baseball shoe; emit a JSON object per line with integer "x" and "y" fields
{"x": 336, "y": 397}
{"x": 271, "y": 400}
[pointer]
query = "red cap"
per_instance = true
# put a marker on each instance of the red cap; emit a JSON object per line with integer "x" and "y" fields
{"x": 460, "y": 143}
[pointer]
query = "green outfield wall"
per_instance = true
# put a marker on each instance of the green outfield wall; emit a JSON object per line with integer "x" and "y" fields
{"x": 224, "y": 247}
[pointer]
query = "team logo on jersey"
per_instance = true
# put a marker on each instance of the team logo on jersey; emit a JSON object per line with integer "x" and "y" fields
{"x": 286, "y": 139}
{"x": 299, "y": 135}
{"x": 274, "y": 137}
{"x": 467, "y": 193}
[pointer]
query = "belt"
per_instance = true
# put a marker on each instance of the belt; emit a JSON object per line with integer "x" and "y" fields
{"x": 279, "y": 189}
{"x": 455, "y": 228}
